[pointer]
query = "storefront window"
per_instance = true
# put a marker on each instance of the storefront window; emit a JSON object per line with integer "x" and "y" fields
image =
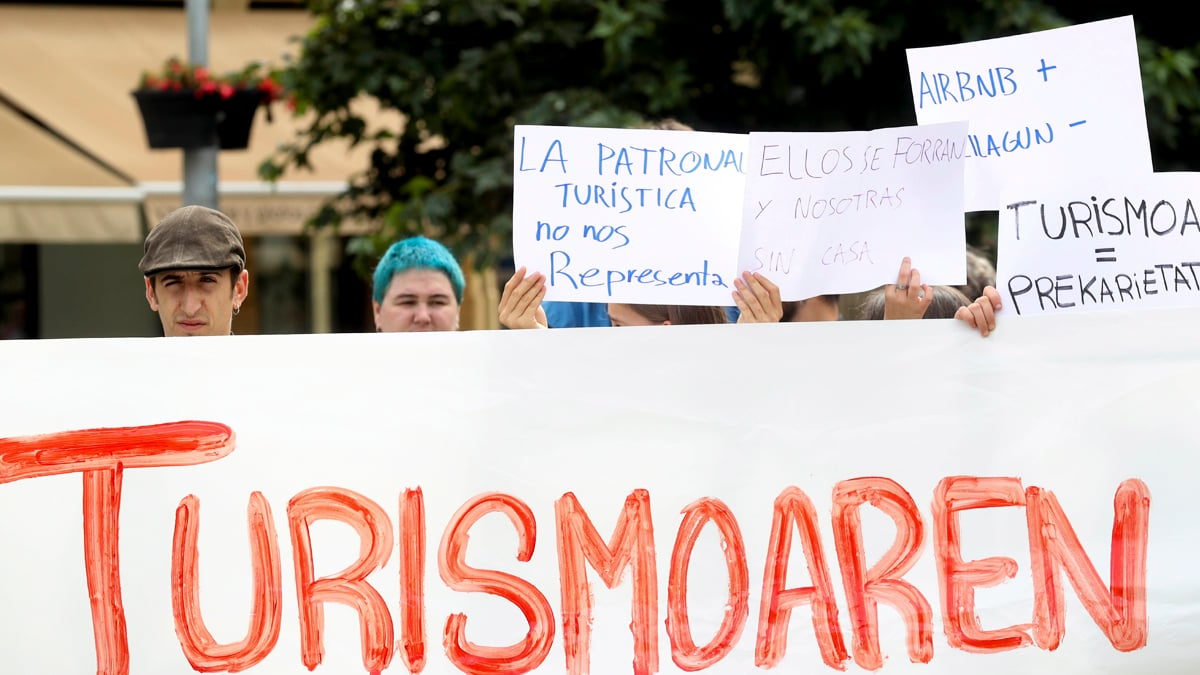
{"x": 18, "y": 291}
{"x": 293, "y": 290}
{"x": 351, "y": 297}
{"x": 279, "y": 285}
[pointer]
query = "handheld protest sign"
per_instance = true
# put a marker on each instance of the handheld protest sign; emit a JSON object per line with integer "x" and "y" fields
{"x": 1101, "y": 244}
{"x": 628, "y": 215}
{"x": 837, "y": 212}
{"x": 1040, "y": 105}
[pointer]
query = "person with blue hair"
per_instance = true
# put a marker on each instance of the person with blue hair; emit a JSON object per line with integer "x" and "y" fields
{"x": 418, "y": 287}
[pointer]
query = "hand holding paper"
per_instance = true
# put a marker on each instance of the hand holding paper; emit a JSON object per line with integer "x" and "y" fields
{"x": 981, "y": 314}
{"x": 757, "y": 299}
{"x": 907, "y": 298}
{"x": 521, "y": 301}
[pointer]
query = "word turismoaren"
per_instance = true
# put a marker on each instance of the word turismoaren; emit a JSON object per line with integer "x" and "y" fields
{"x": 102, "y": 456}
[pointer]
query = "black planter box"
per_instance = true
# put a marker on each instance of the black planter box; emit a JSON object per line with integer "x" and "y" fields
{"x": 177, "y": 119}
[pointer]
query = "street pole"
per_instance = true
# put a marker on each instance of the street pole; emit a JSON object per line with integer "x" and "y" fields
{"x": 199, "y": 164}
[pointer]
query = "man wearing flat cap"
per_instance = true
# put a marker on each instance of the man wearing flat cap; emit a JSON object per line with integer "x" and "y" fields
{"x": 195, "y": 269}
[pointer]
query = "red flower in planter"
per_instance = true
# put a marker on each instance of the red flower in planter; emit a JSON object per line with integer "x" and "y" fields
{"x": 272, "y": 89}
{"x": 208, "y": 109}
{"x": 176, "y": 75}
{"x": 205, "y": 88}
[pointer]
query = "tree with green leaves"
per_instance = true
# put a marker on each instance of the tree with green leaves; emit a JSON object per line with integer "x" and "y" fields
{"x": 462, "y": 73}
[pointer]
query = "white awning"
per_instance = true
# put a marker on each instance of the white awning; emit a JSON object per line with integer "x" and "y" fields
{"x": 59, "y": 215}
{"x": 257, "y": 208}
{"x": 54, "y": 215}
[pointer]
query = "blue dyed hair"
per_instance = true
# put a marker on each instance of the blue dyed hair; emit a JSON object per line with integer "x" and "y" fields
{"x": 417, "y": 253}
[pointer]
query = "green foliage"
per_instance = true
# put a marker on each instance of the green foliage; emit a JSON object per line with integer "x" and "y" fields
{"x": 463, "y": 73}
{"x": 1172, "y": 101}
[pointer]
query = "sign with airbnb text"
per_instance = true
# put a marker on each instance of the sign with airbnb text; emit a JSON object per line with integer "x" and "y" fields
{"x": 1041, "y": 105}
{"x": 902, "y": 496}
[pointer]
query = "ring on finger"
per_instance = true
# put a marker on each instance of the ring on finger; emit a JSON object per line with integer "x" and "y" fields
{"x": 902, "y": 287}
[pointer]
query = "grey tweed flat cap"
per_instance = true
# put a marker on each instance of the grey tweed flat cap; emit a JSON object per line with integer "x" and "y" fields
{"x": 193, "y": 238}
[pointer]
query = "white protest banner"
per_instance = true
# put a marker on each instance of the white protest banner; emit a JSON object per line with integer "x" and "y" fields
{"x": 837, "y": 212}
{"x": 899, "y": 494}
{"x": 1040, "y": 105}
{"x": 628, "y": 215}
{"x": 1099, "y": 244}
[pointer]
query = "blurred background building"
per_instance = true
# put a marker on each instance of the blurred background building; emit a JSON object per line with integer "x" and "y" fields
{"x": 79, "y": 185}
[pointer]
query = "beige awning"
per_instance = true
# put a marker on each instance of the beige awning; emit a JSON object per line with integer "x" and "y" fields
{"x": 34, "y": 156}
{"x": 73, "y": 68}
{"x": 257, "y": 208}
{"x": 70, "y": 215}
{"x": 54, "y": 208}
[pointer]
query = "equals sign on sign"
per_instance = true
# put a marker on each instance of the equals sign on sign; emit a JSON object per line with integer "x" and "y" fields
{"x": 1106, "y": 255}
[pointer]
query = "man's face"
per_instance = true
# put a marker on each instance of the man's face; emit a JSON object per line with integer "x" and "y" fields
{"x": 417, "y": 300}
{"x": 196, "y": 302}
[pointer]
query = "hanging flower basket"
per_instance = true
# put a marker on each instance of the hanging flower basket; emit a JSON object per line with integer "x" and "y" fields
{"x": 184, "y": 106}
{"x": 180, "y": 119}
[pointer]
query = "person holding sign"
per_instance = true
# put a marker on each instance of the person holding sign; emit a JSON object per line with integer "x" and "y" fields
{"x": 820, "y": 308}
{"x": 578, "y": 314}
{"x": 981, "y": 285}
{"x": 195, "y": 271}
{"x": 981, "y": 273}
{"x": 758, "y": 300}
{"x": 981, "y": 314}
{"x": 663, "y": 315}
{"x": 521, "y": 307}
{"x": 521, "y": 301}
{"x": 755, "y": 288}
{"x": 418, "y": 287}
{"x": 944, "y": 302}
{"x": 908, "y": 298}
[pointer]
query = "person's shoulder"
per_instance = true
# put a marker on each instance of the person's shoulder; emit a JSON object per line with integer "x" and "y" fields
{"x": 576, "y": 314}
